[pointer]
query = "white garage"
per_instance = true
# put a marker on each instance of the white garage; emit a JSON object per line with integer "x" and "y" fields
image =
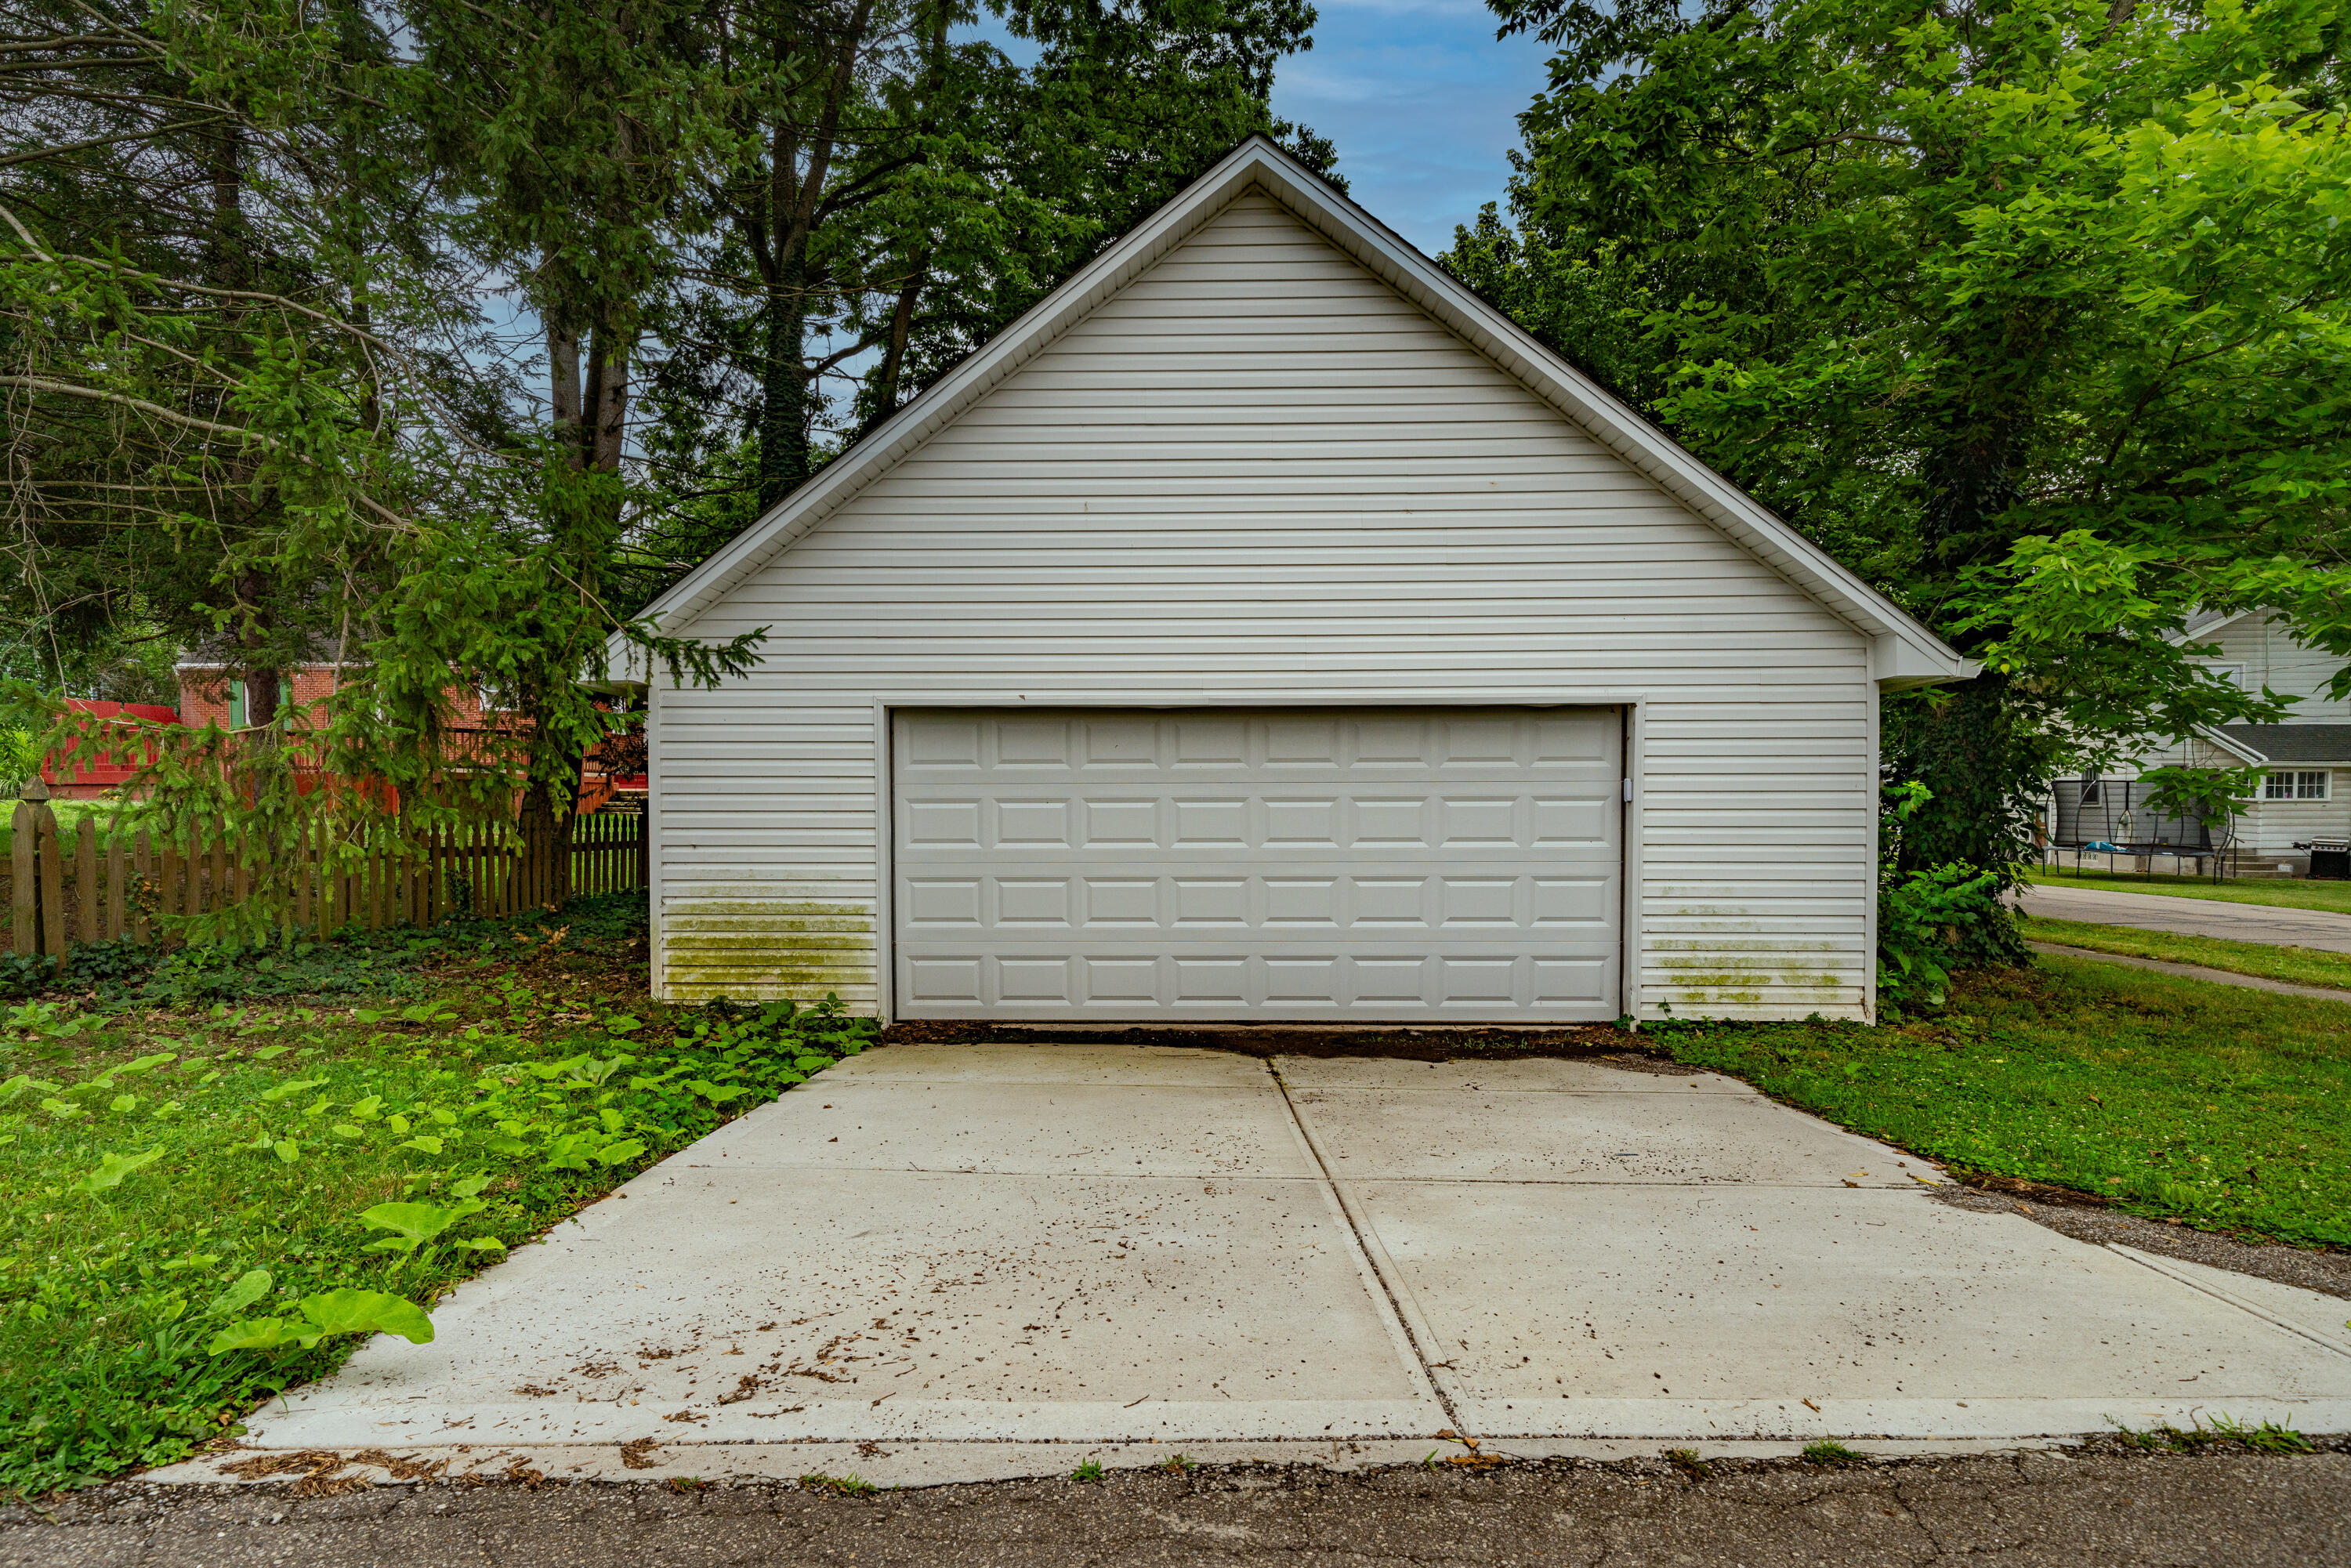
{"x": 1264, "y": 628}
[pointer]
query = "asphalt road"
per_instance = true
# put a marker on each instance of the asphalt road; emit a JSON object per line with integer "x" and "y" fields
{"x": 2265, "y": 923}
{"x": 2106, "y": 1510}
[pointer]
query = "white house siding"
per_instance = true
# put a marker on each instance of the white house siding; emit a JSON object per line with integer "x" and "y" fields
{"x": 2264, "y": 647}
{"x": 1257, "y": 473}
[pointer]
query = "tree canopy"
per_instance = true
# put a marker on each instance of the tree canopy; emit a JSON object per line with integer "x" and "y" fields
{"x": 2040, "y": 317}
{"x": 432, "y": 339}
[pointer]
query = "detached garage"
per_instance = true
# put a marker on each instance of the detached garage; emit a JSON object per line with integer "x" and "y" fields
{"x": 1264, "y": 628}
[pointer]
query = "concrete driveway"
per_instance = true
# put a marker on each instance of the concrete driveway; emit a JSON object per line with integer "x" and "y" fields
{"x": 955, "y": 1262}
{"x": 2191, "y": 917}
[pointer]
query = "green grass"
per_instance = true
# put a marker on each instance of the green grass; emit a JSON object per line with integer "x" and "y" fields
{"x": 68, "y": 814}
{"x": 2170, "y": 1097}
{"x": 2282, "y": 894}
{"x": 2297, "y": 965}
{"x": 537, "y": 1074}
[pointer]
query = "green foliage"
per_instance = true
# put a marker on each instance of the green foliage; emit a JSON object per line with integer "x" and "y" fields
{"x": 1087, "y": 1471}
{"x": 851, "y": 1485}
{"x": 343, "y": 1312}
{"x": 2167, "y": 1097}
{"x": 2216, "y": 796}
{"x": 1933, "y": 920}
{"x": 326, "y": 1169}
{"x": 2037, "y": 317}
{"x": 1830, "y": 1452}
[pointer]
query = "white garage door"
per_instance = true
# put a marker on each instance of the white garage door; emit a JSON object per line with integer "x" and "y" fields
{"x": 1361, "y": 863}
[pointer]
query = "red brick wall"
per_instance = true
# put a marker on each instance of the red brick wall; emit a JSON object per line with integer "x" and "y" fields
{"x": 204, "y": 695}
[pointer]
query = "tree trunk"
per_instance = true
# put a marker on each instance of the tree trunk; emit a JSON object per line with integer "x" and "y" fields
{"x": 902, "y": 327}
{"x": 563, "y": 390}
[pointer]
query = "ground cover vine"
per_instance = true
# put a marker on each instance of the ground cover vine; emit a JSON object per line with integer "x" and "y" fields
{"x": 204, "y": 1205}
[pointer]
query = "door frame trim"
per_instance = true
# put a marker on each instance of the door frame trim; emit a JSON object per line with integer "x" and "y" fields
{"x": 1631, "y": 704}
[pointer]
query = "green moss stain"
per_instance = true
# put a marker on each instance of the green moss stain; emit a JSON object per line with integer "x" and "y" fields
{"x": 766, "y": 949}
{"x": 1705, "y": 976}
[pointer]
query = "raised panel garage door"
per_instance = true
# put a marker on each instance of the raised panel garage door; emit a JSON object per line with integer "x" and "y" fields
{"x": 1369, "y": 863}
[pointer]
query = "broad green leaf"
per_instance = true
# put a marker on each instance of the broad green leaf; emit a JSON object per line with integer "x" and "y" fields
{"x": 425, "y": 1141}
{"x": 345, "y": 1130}
{"x": 62, "y": 1110}
{"x": 348, "y": 1311}
{"x": 262, "y": 1334}
{"x": 421, "y": 1220}
{"x": 250, "y": 1287}
{"x": 289, "y": 1088}
{"x": 570, "y": 1151}
{"x": 287, "y": 1150}
{"x": 481, "y": 1244}
{"x": 145, "y": 1064}
{"x": 123, "y": 1102}
{"x": 113, "y": 1169}
{"x": 716, "y": 1094}
{"x": 466, "y": 1186}
{"x": 615, "y": 1154}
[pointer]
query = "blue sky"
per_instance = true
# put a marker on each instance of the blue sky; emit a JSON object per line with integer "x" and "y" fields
{"x": 1423, "y": 103}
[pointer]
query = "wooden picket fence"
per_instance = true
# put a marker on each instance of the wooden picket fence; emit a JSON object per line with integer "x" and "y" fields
{"x": 68, "y": 888}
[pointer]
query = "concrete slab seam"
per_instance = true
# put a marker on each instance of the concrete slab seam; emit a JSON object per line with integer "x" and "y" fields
{"x": 1384, "y": 1288}
{"x": 2230, "y": 1298}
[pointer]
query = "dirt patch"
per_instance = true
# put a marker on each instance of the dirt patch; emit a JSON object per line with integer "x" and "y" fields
{"x": 2087, "y": 1219}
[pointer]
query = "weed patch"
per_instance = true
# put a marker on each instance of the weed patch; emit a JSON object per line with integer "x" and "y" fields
{"x": 1830, "y": 1452}
{"x": 2268, "y": 1437}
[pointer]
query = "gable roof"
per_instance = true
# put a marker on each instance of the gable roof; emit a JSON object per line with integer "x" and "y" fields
{"x": 1906, "y": 652}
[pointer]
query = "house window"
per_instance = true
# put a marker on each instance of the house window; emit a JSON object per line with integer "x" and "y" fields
{"x": 2298, "y": 786}
{"x": 237, "y": 705}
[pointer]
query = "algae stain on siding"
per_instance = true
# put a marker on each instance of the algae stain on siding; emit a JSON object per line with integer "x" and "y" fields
{"x": 759, "y": 949}
{"x": 1704, "y": 975}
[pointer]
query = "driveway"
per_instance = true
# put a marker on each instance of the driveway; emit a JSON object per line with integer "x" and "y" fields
{"x": 2191, "y": 917}
{"x": 942, "y": 1262}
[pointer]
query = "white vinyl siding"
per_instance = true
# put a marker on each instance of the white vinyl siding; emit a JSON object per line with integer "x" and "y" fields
{"x": 2263, "y": 647}
{"x": 1256, "y": 474}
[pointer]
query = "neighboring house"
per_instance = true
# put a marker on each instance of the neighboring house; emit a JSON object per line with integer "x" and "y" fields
{"x": 1264, "y": 627}
{"x": 2306, "y": 761}
{"x": 211, "y": 693}
{"x": 72, "y": 775}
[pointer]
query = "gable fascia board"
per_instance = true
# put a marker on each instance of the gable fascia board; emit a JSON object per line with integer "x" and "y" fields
{"x": 2203, "y": 633}
{"x": 2236, "y": 748}
{"x": 1907, "y": 653}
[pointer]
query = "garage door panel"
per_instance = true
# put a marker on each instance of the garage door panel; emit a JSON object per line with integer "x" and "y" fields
{"x": 1281, "y": 863}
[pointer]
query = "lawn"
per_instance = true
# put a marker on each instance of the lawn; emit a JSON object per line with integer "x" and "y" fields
{"x": 2298, "y": 966}
{"x": 2170, "y": 1097}
{"x": 2284, "y": 893}
{"x": 169, "y": 1145}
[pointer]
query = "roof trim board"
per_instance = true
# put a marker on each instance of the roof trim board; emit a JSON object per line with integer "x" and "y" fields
{"x": 1905, "y": 653}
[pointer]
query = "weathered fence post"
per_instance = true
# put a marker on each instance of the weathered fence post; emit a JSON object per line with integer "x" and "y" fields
{"x": 32, "y": 809}
{"x": 40, "y": 898}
